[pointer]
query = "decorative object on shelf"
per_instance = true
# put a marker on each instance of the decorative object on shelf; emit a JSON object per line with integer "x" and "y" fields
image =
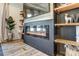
{"x": 68, "y": 19}
{"x": 77, "y": 17}
{"x": 73, "y": 18}
{"x": 72, "y": 51}
{"x": 10, "y": 27}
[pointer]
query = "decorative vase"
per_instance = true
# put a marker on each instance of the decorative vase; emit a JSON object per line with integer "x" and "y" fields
{"x": 10, "y": 36}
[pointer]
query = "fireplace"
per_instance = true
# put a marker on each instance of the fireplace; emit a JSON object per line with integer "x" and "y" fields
{"x": 41, "y": 31}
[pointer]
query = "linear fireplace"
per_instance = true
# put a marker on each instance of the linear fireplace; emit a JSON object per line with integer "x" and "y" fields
{"x": 41, "y": 31}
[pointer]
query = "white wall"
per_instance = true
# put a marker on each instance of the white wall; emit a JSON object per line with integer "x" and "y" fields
{"x": 1, "y": 11}
{"x": 77, "y": 33}
{"x": 14, "y": 11}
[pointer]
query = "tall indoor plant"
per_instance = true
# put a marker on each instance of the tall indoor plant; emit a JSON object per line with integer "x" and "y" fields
{"x": 10, "y": 27}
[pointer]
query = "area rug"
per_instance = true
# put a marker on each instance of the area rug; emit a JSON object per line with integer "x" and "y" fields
{"x": 1, "y": 52}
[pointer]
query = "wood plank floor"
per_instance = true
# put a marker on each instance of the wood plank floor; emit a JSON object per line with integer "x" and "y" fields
{"x": 18, "y": 48}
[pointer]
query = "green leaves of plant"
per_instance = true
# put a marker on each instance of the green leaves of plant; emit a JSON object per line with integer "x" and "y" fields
{"x": 10, "y": 23}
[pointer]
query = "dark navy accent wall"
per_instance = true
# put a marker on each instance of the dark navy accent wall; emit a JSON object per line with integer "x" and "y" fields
{"x": 42, "y": 44}
{"x": 68, "y": 33}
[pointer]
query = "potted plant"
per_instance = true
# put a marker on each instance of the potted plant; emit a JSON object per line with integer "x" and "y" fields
{"x": 10, "y": 27}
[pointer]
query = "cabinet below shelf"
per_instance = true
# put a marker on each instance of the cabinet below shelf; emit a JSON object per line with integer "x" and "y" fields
{"x": 69, "y": 42}
{"x": 67, "y": 24}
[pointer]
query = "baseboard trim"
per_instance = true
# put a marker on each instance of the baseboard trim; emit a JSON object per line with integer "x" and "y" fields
{"x": 5, "y": 41}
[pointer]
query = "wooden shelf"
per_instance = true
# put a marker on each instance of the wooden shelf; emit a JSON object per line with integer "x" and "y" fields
{"x": 67, "y": 24}
{"x": 67, "y": 7}
{"x": 69, "y": 42}
{"x": 21, "y": 14}
{"x": 21, "y": 26}
{"x": 21, "y": 33}
{"x": 22, "y": 20}
{"x": 21, "y": 11}
{"x": 59, "y": 40}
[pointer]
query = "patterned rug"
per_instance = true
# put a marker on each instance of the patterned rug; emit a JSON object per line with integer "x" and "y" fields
{"x": 1, "y": 52}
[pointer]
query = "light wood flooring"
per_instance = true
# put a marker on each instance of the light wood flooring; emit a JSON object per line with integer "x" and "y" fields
{"x": 18, "y": 48}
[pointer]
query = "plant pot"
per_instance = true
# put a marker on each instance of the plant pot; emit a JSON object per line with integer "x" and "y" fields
{"x": 10, "y": 36}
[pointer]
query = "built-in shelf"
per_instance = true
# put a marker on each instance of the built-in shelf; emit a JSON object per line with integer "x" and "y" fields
{"x": 59, "y": 39}
{"x": 22, "y": 20}
{"x": 21, "y": 26}
{"x": 21, "y": 11}
{"x": 21, "y": 33}
{"x": 66, "y": 7}
{"x": 69, "y": 42}
{"x": 21, "y": 14}
{"x": 67, "y": 24}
